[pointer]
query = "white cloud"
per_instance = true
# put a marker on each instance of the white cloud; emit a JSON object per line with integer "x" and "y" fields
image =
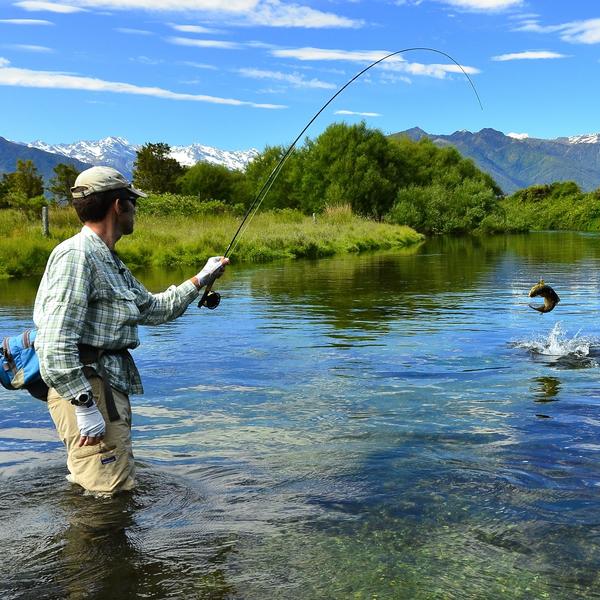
{"x": 269, "y": 13}
{"x": 25, "y": 22}
{"x": 179, "y": 41}
{"x": 582, "y": 32}
{"x": 292, "y": 78}
{"x": 129, "y": 31}
{"x": 394, "y": 63}
{"x": 484, "y": 5}
{"x": 15, "y": 77}
{"x": 358, "y": 114}
{"x": 29, "y": 47}
{"x": 518, "y": 136}
{"x": 273, "y": 13}
{"x": 197, "y": 65}
{"x": 529, "y": 55}
{"x": 192, "y": 28}
{"x": 34, "y": 5}
{"x": 575, "y": 32}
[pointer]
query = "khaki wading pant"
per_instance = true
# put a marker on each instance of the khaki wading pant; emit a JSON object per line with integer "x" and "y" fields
{"x": 107, "y": 467}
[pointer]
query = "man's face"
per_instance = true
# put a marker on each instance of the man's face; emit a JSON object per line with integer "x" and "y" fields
{"x": 127, "y": 203}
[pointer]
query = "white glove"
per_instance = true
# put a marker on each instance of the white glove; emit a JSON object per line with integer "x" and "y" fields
{"x": 213, "y": 269}
{"x": 90, "y": 421}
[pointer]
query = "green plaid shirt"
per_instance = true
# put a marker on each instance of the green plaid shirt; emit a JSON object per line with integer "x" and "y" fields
{"x": 87, "y": 295}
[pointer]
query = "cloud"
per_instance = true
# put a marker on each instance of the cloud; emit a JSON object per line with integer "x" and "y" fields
{"x": 294, "y": 78}
{"x": 28, "y": 48}
{"x": 574, "y": 32}
{"x": 484, "y": 5}
{"x": 26, "y": 22}
{"x": 197, "y": 65}
{"x": 15, "y": 77}
{"x": 358, "y": 114}
{"x": 529, "y": 55}
{"x": 193, "y": 28}
{"x": 179, "y": 41}
{"x": 518, "y": 136}
{"x": 34, "y": 5}
{"x": 268, "y": 13}
{"x": 582, "y": 32}
{"x": 394, "y": 63}
{"x": 129, "y": 31}
{"x": 273, "y": 13}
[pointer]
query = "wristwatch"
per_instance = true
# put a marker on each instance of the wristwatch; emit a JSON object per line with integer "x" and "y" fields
{"x": 85, "y": 399}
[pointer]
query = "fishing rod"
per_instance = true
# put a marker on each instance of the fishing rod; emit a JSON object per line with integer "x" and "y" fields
{"x": 211, "y": 299}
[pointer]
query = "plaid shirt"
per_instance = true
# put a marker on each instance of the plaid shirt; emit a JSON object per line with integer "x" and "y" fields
{"x": 87, "y": 295}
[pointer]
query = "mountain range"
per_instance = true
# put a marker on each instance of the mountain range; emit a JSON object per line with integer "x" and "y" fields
{"x": 514, "y": 161}
{"x": 517, "y": 161}
{"x": 116, "y": 152}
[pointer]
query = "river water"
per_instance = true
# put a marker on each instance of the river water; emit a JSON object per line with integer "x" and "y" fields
{"x": 396, "y": 425}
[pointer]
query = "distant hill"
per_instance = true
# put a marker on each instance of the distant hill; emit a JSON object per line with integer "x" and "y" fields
{"x": 516, "y": 162}
{"x": 45, "y": 162}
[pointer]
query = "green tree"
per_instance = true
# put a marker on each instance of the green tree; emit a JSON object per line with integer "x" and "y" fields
{"x": 207, "y": 181}
{"x": 26, "y": 180}
{"x": 352, "y": 164}
{"x": 62, "y": 182}
{"x": 154, "y": 170}
{"x": 285, "y": 191}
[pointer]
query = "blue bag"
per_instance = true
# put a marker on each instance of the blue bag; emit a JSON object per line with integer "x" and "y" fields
{"x": 20, "y": 367}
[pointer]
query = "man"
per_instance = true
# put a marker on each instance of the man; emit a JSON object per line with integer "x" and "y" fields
{"x": 87, "y": 311}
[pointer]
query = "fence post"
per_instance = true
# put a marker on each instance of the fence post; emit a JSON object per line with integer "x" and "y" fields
{"x": 45, "y": 222}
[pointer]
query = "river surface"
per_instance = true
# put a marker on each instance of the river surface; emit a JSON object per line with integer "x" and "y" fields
{"x": 396, "y": 425}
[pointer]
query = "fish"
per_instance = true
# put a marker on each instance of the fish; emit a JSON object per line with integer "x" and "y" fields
{"x": 550, "y": 297}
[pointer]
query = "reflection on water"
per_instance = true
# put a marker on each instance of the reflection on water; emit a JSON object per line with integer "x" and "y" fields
{"x": 396, "y": 425}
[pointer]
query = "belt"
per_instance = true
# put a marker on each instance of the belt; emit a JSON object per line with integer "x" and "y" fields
{"x": 91, "y": 354}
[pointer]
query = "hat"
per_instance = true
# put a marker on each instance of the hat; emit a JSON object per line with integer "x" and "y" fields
{"x": 101, "y": 179}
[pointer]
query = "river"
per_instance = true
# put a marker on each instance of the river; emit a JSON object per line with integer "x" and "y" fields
{"x": 391, "y": 425}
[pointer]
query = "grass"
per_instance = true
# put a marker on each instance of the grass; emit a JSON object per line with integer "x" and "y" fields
{"x": 177, "y": 240}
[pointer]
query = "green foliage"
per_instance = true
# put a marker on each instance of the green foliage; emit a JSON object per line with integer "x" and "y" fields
{"x": 285, "y": 191}
{"x": 560, "y": 205}
{"x": 180, "y": 205}
{"x": 185, "y": 240}
{"x": 154, "y": 171}
{"x": 213, "y": 182}
{"x": 62, "y": 182}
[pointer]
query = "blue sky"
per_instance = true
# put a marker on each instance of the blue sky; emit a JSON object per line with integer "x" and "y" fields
{"x": 236, "y": 74}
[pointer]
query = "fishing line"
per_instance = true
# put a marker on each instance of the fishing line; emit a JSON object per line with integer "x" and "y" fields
{"x": 264, "y": 190}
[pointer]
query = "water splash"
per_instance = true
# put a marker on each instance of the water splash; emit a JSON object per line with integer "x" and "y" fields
{"x": 558, "y": 344}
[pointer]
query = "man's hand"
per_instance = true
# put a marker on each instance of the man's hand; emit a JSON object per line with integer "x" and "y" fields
{"x": 213, "y": 269}
{"x": 91, "y": 425}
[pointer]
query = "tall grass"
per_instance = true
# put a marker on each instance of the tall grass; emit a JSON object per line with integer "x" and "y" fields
{"x": 176, "y": 240}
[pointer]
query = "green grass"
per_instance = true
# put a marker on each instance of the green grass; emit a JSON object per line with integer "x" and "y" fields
{"x": 169, "y": 241}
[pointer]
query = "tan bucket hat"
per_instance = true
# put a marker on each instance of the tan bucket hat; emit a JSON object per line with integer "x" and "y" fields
{"x": 101, "y": 179}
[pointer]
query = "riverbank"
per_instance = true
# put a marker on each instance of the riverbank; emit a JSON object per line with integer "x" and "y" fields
{"x": 170, "y": 241}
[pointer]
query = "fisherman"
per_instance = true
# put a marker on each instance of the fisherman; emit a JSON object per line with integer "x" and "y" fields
{"x": 87, "y": 311}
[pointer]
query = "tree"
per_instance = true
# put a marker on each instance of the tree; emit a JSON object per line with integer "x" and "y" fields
{"x": 154, "y": 170}
{"x": 25, "y": 180}
{"x": 213, "y": 182}
{"x": 62, "y": 182}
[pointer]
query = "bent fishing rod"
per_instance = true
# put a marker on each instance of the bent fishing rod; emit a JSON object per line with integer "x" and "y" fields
{"x": 211, "y": 299}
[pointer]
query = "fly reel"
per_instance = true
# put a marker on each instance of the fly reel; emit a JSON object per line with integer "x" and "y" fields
{"x": 210, "y": 299}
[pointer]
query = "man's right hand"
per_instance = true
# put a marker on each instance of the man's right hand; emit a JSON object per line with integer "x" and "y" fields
{"x": 91, "y": 425}
{"x": 213, "y": 269}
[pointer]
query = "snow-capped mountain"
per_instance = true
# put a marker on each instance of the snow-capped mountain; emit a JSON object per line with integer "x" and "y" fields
{"x": 117, "y": 152}
{"x": 589, "y": 138}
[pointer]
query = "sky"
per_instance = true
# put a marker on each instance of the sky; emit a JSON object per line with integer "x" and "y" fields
{"x": 240, "y": 74}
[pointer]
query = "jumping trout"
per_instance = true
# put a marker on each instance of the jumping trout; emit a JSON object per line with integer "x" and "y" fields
{"x": 550, "y": 297}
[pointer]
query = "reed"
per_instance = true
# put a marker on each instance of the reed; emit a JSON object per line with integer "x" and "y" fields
{"x": 177, "y": 240}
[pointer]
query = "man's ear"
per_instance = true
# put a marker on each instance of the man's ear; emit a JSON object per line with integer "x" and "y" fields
{"x": 121, "y": 206}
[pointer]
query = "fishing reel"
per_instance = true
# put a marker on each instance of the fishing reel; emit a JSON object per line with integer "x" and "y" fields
{"x": 210, "y": 299}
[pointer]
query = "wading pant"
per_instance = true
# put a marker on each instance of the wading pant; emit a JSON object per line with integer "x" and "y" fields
{"x": 108, "y": 467}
